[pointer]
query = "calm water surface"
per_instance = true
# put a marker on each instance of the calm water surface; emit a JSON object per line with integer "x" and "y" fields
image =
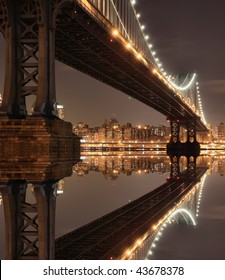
{"x": 101, "y": 184}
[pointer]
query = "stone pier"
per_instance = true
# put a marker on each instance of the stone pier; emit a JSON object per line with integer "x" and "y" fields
{"x": 38, "y": 138}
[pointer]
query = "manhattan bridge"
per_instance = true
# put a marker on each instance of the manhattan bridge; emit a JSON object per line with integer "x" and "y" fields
{"x": 106, "y": 40}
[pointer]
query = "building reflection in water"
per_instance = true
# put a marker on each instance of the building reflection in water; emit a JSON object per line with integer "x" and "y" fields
{"x": 30, "y": 218}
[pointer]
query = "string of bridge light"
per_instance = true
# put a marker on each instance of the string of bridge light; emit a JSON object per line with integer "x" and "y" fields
{"x": 200, "y": 103}
{"x": 163, "y": 222}
{"x": 200, "y": 194}
{"x": 164, "y": 225}
{"x": 156, "y": 59}
{"x": 169, "y": 220}
{"x": 159, "y": 64}
{"x": 166, "y": 78}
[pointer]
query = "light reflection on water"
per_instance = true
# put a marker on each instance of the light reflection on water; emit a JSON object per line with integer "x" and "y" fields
{"x": 186, "y": 213}
{"x": 101, "y": 184}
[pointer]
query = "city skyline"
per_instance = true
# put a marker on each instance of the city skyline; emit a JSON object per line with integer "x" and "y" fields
{"x": 187, "y": 37}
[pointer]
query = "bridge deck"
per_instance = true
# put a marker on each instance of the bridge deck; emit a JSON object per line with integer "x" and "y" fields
{"x": 85, "y": 42}
{"x": 110, "y": 235}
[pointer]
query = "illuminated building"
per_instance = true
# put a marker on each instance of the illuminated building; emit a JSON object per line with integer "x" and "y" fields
{"x": 112, "y": 131}
{"x": 60, "y": 187}
{"x": 60, "y": 111}
{"x": 219, "y": 134}
{"x": 205, "y": 136}
{"x": 220, "y": 168}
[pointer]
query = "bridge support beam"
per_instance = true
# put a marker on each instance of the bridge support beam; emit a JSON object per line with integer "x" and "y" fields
{"x": 30, "y": 227}
{"x": 191, "y": 146}
{"x": 28, "y": 29}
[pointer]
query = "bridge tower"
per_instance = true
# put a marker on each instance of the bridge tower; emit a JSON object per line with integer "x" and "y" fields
{"x": 175, "y": 167}
{"x": 29, "y": 227}
{"x": 29, "y": 31}
{"x": 191, "y": 146}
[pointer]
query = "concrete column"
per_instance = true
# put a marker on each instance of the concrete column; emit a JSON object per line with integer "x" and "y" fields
{"x": 13, "y": 196}
{"x": 30, "y": 228}
{"x": 46, "y": 205}
{"x": 45, "y": 103}
{"x": 13, "y": 103}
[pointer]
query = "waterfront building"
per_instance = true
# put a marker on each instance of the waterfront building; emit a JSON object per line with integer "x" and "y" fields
{"x": 113, "y": 131}
{"x": 220, "y": 168}
{"x": 219, "y": 133}
{"x": 60, "y": 111}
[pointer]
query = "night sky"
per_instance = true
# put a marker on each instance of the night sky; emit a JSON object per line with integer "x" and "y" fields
{"x": 188, "y": 36}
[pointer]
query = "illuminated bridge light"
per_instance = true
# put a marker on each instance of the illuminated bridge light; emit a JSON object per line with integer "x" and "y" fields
{"x": 128, "y": 46}
{"x": 167, "y": 79}
{"x": 128, "y": 253}
{"x": 139, "y": 242}
{"x": 115, "y": 32}
{"x": 139, "y": 56}
{"x": 155, "y": 227}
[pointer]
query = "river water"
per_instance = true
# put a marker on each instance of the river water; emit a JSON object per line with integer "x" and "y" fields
{"x": 102, "y": 183}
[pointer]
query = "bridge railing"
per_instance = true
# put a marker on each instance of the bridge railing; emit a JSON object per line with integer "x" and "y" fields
{"x": 123, "y": 17}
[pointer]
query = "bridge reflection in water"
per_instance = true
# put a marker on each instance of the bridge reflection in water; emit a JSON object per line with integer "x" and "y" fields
{"x": 30, "y": 226}
{"x": 186, "y": 214}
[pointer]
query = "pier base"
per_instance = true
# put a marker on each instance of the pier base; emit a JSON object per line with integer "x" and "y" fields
{"x": 38, "y": 138}
{"x": 184, "y": 148}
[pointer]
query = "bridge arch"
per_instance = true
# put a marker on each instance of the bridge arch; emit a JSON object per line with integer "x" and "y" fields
{"x": 185, "y": 214}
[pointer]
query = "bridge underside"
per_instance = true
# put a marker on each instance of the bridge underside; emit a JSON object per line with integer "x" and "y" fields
{"x": 89, "y": 46}
{"x": 111, "y": 236}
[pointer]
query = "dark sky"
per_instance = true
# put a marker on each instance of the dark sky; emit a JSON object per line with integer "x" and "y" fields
{"x": 187, "y": 35}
